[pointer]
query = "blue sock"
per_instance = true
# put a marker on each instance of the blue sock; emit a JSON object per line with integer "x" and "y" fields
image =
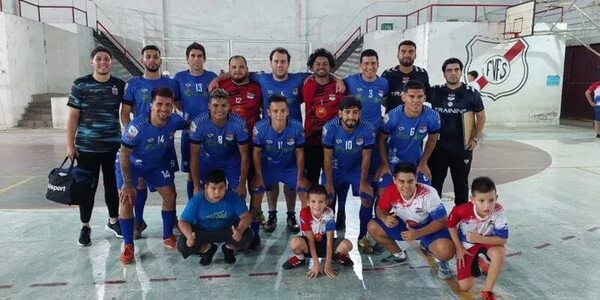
{"x": 127, "y": 230}
{"x": 190, "y": 189}
{"x": 365, "y": 215}
{"x": 168, "y": 217}
{"x": 255, "y": 226}
{"x": 342, "y": 195}
{"x": 140, "y": 203}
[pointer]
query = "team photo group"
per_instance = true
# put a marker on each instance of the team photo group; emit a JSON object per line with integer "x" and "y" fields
{"x": 389, "y": 140}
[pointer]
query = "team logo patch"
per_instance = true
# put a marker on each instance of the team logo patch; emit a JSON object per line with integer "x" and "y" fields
{"x": 132, "y": 131}
{"x": 360, "y": 141}
{"x": 321, "y": 112}
{"x": 250, "y": 96}
{"x": 466, "y": 161}
{"x": 290, "y": 141}
{"x": 229, "y": 137}
{"x": 422, "y": 128}
{"x": 451, "y": 97}
{"x": 331, "y": 97}
{"x": 405, "y": 79}
{"x": 380, "y": 92}
{"x": 295, "y": 91}
{"x": 115, "y": 90}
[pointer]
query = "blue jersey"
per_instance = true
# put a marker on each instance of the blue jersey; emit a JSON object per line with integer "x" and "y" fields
{"x": 347, "y": 146}
{"x": 193, "y": 92}
{"x": 289, "y": 88}
{"x": 220, "y": 145}
{"x": 370, "y": 94}
{"x": 406, "y": 134}
{"x": 138, "y": 92}
{"x": 278, "y": 149}
{"x": 150, "y": 143}
{"x": 209, "y": 216}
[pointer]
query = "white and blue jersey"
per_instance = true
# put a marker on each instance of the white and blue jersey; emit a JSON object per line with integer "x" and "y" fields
{"x": 406, "y": 134}
{"x": 348, "y": 146}
{"x": 138, "y": 92}
{"x": 370, "y": 94}
{"x": 289, "y": 88}
{"x": 193, "y": 92}
{"x": 220, "y": 145}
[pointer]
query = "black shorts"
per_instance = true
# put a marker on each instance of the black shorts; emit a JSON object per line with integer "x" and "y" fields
{"x": 321, "y": 246}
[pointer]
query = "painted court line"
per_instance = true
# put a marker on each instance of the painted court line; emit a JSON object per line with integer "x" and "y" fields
{"x": 215, "y": 276}
{"x": 163, "y": 279}
{"x": 566, "y": 238}
{"x": 514, "y": 254}
{"x": 263, "y": 274}
{"x": 593, "y": 229}
{"x": 14, "y": 185}
{"x": 542, "y": 246}
{"x": 50, "y": 284}
{"x": 111, "y": 282}
{"x": 6, "y": 286}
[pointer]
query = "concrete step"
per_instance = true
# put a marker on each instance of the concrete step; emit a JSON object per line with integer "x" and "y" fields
{"x": 37, "y": 116}
{"x": 37, "y": 110}
{"x": 45, "y": 97}
{"x": 35, "y": 124}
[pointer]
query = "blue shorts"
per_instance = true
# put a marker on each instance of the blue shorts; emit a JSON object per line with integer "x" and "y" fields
{"x": 171, "y": 157}
{"x": 288, "y": 177}
{"x": 344, "y": 178}
{"x": 232, "y": 173}
{"x": 387, "y": 180}
{"x": 185, "y": 151}
{"x": 394, "y": 233}
{"x": 597, "y": 113}
{"x": 155, "y": 178}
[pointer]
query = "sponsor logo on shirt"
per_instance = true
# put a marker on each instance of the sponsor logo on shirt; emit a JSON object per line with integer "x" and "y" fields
{"x": 115, "y": 90}
{"x": 331, "y": 97}
{"x": 295, "y": 91}
{"x": 338, "y": 141}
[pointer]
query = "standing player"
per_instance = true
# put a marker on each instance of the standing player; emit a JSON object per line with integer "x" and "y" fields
{"x": 455, "y": 101}
{"x": 145, "y": 144}
{"x": 479, "y": 230}
{"x": 401, "y": 135}
{"x": 322, "y": 104}
{"x": 93, "y": 134}
{"x": 370, "y": 89}
{"x": 592, "y": 94}
{"x": 399, "y": 75}
{"x": 193, "y": 99}
{"x": 278, "y": 157}
{"x": 224, "y": 140}
{"x": 347, "y": 143}
{"x": 138, "y": 91}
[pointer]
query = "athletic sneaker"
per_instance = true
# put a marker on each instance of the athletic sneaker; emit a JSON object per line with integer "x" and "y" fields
{"x": 126, "y": 256}
{"x": 343, "y": 259}
{"x": 393, "y": 259}
{"x": 292, "y": 224}
{"x": 84, "y": 236}
{"x": 208, "y": 255}
{"x": 293, "y": 262}
{"x": 364, "y": 245}
{"x": 487, "y": 295}
{"x": 484, "y": 263}
{"x": 114, "y": 229}
{"x": 138, "y": 228}
{"x": 229, "y": 254}
{"x": 444, "y": 271}
{"x": 271, "y": 224}
{"x": 170, "y": 242}
{"x": 340, "y": 222}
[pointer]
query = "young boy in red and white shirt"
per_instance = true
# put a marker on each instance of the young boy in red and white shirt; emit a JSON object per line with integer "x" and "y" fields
{"x": 317, "y": 223}
{"x": 479, "y": 227}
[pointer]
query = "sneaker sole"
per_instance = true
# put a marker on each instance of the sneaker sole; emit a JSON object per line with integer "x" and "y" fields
{"x": 84, "y": 245}
{"x": 108, "y": 229}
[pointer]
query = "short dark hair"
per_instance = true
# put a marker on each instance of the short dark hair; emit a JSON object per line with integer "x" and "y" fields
{"x": 100, "y": 49}
{"x": 368, "y": 52}
{"x": 215, "y": 176}
{"x": 150, "y": 47}
{"x": 407, "y": 43}
{"x": 219, "y": 93}
{"x": 321, "y": 52}
{"x": 317, "y": 189}
{"x": 277, "y": 98}
{"x": 280, "y": 50}
{"x": 195, "y": 46}
{"x": 163, "y": 92}
{"x": 238, "y": 57}
{"x": 349, "y": 102}
{"x": 452, "y": 60}
{"x": 413, "y": 85}
{"x": 473, "y": 73}
{"x": 482, "y": 185}
{"x": 405, "y": 167}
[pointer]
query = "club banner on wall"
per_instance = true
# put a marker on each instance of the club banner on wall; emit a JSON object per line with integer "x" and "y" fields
{"x": 502, "y": 65}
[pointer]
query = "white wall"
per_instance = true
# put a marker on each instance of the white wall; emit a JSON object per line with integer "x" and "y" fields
{"x": 535, "y": 103}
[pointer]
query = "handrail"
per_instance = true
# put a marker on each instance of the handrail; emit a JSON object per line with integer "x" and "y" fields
{"x": 40, "y": 7}
{"x": 122, "y": 48}
{"x": 359, "y": 30}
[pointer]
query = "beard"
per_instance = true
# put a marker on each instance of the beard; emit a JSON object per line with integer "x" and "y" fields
{"x": 407, "y": 62}
{"x": 350, "y": 123}
{"x": 152, "y": 69}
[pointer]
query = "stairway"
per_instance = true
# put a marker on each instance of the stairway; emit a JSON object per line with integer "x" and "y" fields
{"x": 347, "y": 62}
{"x": 38, "y": 113}
{"x": 123, "y": 67}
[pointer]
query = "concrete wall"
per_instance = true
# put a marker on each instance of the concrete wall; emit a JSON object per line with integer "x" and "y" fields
{"x": 37, "y": 58}
{"x": 535, "y": 77}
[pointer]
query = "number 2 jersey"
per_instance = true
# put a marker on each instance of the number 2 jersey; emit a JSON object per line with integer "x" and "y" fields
{"x": 465, "y": 218}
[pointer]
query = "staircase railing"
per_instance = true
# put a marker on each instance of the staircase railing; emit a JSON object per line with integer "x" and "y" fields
{"x": 123, "y": 49}
{"x": 39, "y": 9}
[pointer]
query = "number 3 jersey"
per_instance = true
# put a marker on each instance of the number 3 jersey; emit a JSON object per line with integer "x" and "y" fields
{"x": 318, "y": 226}
{"x": 466, "y": 218}
{"x": 423, "y": 208}
{"x": 150, "y": 143}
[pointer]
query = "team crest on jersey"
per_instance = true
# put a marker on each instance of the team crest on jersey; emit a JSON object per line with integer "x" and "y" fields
{"x": 229, "y": 137}
{"x": 451, "y": 97}
{"x": 380, "y": 92}
{"x": 405, "y": 79}
{"x": 331, "y": 97}
{"x": 250, "y": 96}
{"x": 138, "y": 162}
{"x": 502, "y": 65}
{"x": 295, "y": 91}
{"x": 132, "y": 131}
{"x": 115, "y": 90}
{"x": 360, "y": 141}
{"x": 290, "y": 141}
{"x": 338, "y": 141}
{"x": 422, "y": 128}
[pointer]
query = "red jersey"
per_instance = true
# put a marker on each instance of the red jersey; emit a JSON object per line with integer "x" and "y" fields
{"x": 464, "y": 218}
{"x": 320, "y": 226}
{"x": 245, "y": 100}
{"x": 322, "y": 104}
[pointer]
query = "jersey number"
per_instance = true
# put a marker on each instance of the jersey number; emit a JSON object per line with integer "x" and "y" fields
{"x": 165, "y": 174}
{"x": 220, "y": 139}
{"x": 280, "y": 144}
{"x": 348, "y": 145}
{"x": 412, "y": 131}
{"x": 370, "y": 93}
{"x": 161, "y": 139}
{"x": 199, "y": 87}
